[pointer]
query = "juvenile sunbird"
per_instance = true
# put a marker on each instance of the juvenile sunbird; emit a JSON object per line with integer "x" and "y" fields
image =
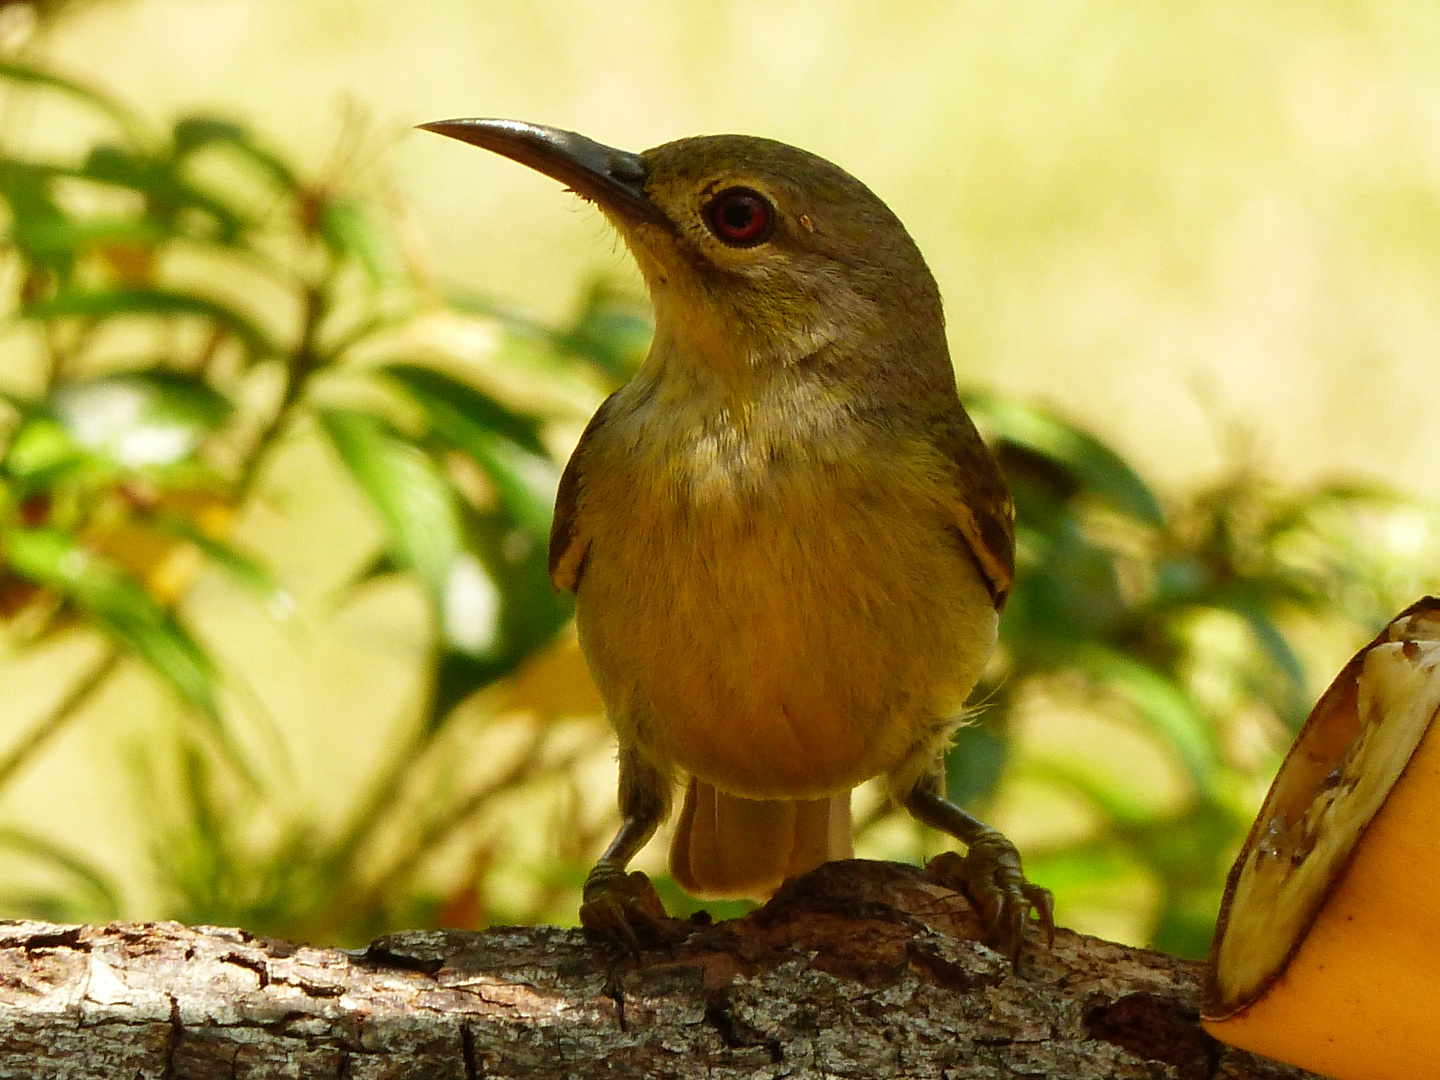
{"x": 788, "y": 544}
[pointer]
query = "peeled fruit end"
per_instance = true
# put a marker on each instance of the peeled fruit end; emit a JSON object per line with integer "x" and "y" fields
{"x": 1326, "y": 955}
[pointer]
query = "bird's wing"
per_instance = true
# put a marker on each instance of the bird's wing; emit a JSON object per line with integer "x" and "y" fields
{"x": 984, "y": 511}
{"x": 568, "y": 544}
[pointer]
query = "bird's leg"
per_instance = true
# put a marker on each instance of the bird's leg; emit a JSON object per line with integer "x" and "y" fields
{"x": 989, "y": 873}
{"x": 616, "y": 904}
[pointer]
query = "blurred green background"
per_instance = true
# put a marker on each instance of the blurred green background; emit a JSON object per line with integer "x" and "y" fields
{"x": 288, "y": 385}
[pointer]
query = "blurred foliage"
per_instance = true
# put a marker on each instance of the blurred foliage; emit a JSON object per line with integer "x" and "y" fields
{"x": 1178, "y": 620}
{"x": 164, "y": 394}
{"x": 196, "y": 305}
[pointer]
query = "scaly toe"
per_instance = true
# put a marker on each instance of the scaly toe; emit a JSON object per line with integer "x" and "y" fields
{"x": 990, "y": 875}
{"x": 624, "y": 909}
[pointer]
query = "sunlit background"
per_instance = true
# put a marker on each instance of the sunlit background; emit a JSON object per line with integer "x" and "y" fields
{"x": 1191, "y": 262}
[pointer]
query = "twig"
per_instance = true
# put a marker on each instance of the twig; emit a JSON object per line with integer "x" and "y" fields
{"x": 303, "y": 363}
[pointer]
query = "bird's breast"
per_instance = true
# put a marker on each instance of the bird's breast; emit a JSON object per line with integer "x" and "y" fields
{"x": 779, "y": 607}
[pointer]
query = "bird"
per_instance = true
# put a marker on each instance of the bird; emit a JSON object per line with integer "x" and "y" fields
{"x": 788, "y": 543}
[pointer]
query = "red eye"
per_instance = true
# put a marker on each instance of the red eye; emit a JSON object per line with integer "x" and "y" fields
{"x": 740, "y": 217}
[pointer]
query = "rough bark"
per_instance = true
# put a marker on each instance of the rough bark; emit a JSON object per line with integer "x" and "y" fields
{"x": 856, "y": 970}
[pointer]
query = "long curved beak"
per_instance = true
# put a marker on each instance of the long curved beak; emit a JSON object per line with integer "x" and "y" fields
{"x": 613, "y": 179}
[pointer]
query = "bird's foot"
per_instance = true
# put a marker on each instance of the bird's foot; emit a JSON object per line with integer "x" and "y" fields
{"x": 989, "y": 873}
{"x": 623, "y": 909}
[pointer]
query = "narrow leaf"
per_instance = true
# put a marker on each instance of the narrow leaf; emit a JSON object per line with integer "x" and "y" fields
{"x": 1162, "y": 704}
{"x": 142, "y": 418}
{"x": 42, "y": 450}
{"x": 1250, "y": 607}
{"x": 1116, "y": 802}
{"x": 461, "y": 407}
{"x": 245, "y": 569}
{"x": 167, "y": 193}
{"x": 1096, "y": 863}
{"x": 513, "y": 604}
{"x": 974, "y": 764}
{"x": 154, "y": 395}
{"x": 609, "y": 332}
{"x": 105, "y": 896}
{"x": 34, "y": 76}
{"x": 120, "y": 604}
{"x": 26, "y": 186}
{"x": 377, "y": 569}
{"x": 504, "y": 443}
{"x": 408, "y": 490}
{"x": 1103, "y": 472}
{"x": 158, "y": 302}
{"x": 193, "y": 133}
{"x": 349, "y": 231}
{"x": 514, "y": 320}
{"x": 48, "y": 237}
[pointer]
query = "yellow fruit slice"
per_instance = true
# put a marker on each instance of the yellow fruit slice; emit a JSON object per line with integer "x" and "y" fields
{"x": 1327, "y": 952}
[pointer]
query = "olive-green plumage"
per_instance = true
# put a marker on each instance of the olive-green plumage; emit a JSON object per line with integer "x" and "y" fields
{"x": 788, "y": 543}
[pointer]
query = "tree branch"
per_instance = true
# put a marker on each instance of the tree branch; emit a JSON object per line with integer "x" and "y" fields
{"x": 856, "y": 970}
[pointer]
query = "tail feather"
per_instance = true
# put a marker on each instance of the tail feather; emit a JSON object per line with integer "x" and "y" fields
{"x": 728, "y": 846}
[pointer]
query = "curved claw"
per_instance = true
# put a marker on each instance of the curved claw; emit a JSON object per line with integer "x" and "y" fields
{"x": 624, "y": 909}
{"x": 991, "y": 876}
{"x": 1043, "y": 901}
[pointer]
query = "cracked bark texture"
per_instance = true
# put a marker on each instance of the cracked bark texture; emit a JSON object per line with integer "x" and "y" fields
{"x": 856, "y": 970}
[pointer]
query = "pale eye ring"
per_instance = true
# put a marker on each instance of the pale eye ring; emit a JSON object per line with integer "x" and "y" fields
{"x": 740, "y": 217}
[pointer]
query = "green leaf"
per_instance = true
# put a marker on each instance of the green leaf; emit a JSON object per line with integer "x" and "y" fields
{"x": 531, "y": 610}
{"x": 461, "y": 409}
{"x": 377, "y": 569}
{"x": 526, "y": 483}
{"x": 195, "y": 133}
{"x": 391, "y": 316}
{"x": 496, "y": 604}
{"x": 245, "y": 569}
{"x": 142, "y": 418}
{"x": 153, "y": 395}
{"x": 168, "y": 195}
{"x": 489, "y": 577}
{"x": 975, "y": 763}
{"x": 1098, "y": 862}
{"x": 105, "y": 899}
{"x": 499, "y": 610}
{"x": 514, "y": 320}
{"x": 48, "y": 238}
{"x": 1114, "y": 801}
{"x": 43, "y": 450}
{"x": 1067, "y": 590}
{"x": 120, "y": 604}
{"x": 610, "y": 332}
{"x": 33, "y": 209}
{"x": 504, "y": 443}
{"x": 177, "y": 396}
{"x": 1102, "y": 472}
{"x": 1246, "y": 602}
{"x": 412, "y": 495}
{"x": 33, "y": 76}
{"x": 350, "y": 232}
{"x": 157, "y": 302}
{"x": 1162, "y": 704}
{"x": 1186, "y": 923}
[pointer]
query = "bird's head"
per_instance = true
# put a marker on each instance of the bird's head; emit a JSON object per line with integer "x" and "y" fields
{"x": 756, "y": 253}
